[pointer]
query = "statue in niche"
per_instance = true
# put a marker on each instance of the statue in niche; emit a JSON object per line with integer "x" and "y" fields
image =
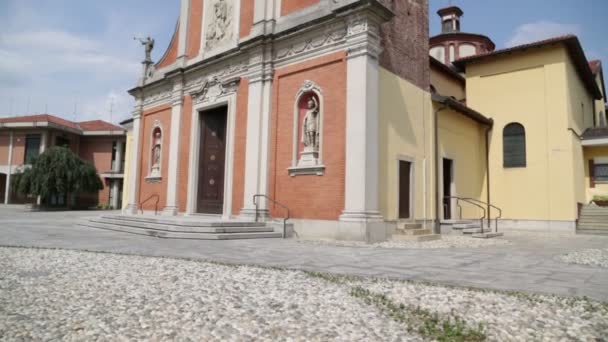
{"x": 156, "y": 153}
{"x": 310, "y": 125}
{"x": 218, "y": 29}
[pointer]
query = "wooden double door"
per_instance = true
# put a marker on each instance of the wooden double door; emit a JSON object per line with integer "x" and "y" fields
{"x": 212, "y": 161}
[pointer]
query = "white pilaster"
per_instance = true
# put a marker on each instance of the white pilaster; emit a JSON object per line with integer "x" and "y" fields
{"x": 7, "y": 192}
{"x": 184, "y": 22}
{"x": 258, "y": 132}
{"x": 135, "y": 162}
{"x": 115, "y": 191}
{"x": 361, "y": 211}
{"x": 259, "y": 10}
{"x": 171, "y": 208}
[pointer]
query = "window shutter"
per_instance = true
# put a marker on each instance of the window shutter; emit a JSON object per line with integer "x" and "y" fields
{"x": 591, "y": 173}
{"x": 514, "y": 145}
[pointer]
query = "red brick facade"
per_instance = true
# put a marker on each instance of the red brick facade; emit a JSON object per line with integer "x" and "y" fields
{"x": 290, "y": 6}
{"x": 310, "y": 196}
{"x": 149, "y": 189}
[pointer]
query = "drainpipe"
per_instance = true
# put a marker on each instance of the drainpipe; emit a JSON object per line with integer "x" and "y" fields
{"x": 438, "y": 200}
{"x": 488, "y": 129}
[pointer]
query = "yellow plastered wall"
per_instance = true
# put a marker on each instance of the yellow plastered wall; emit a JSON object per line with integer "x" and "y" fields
{"x": 445, "y": 85}
{"x": 581, "y": 117}
{"x": 531, "y": 88}
{"x": 404, "y": 133}
{"x": 127, "y": 169}
{"x": 601, "y": 188}
{"x": 463, "y": 141}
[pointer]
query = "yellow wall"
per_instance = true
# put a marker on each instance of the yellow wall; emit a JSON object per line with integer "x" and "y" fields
{"x": 532, "y": 88}
{"x": 463, "y": 141}
{"x": 127, "y": 168}
{"x": 405, "y": 132}
{"x": 601, "y": 188}
{"x": 446, "y": 86}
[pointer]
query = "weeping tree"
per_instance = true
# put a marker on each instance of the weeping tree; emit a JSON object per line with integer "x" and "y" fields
{"x": 58, "y": 171}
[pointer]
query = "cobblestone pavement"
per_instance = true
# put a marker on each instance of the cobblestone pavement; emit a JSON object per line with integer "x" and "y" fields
{"x": 531, "y": 262}
{"x": 81, "y": 296}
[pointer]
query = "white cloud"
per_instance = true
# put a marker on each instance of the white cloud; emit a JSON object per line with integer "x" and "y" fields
{"x": 541, "y": 30}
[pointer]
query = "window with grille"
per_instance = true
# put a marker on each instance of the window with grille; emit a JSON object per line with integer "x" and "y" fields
{"x": 514, "y": 145}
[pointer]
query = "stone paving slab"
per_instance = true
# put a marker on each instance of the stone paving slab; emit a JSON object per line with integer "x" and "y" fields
{"x": 529, "y": 263}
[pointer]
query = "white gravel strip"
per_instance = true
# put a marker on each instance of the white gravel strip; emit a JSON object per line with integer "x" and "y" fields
{"x": 505, "y": 317}
{"x": 75, "y": 296}
{"x": 592, "y": 257}
{"x": 446, "y": 241}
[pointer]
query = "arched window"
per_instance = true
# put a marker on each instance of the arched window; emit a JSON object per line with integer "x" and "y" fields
{"x": 514, "y": 145}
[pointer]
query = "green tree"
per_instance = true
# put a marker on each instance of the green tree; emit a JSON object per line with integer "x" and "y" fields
{"x": 58, "y": 171}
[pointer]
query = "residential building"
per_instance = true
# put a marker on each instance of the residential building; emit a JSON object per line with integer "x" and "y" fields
{"x": 23, "y": 138}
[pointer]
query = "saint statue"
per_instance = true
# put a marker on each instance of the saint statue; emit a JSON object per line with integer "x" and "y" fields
{"x": 310, "y": 126}
{"x": 148, "y": 44}
{"x": 156, "y": 152}
{"x": 217, "y": 30}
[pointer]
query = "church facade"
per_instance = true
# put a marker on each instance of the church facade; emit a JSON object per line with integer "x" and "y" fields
{"x": 289, "y": 99}
{"x": 347, "y": 114}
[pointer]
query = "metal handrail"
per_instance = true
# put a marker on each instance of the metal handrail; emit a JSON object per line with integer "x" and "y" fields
{"x": 466, "y": 200}
{"x": 493, "y": 206}
{"x": 257, "y": 210}
{"x": 141, "y": 204}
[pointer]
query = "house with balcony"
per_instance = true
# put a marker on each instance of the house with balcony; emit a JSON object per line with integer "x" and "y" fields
{"x": 23, "y": 138}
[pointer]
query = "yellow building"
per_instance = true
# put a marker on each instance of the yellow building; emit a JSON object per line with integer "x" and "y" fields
{"x": 542, "y": 97}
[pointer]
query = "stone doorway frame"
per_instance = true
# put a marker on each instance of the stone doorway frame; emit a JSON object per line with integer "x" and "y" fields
{"x": 198, "y": 108}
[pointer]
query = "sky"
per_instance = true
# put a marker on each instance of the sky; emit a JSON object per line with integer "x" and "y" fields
{"x": 77, "y": 58}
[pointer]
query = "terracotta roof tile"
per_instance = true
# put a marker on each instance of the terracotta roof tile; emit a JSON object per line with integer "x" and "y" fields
{"x": 98, "y": 125}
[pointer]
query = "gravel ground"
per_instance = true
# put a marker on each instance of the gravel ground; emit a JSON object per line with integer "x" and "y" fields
{"x": 66, "y": 295}
{"x": 591, "y": 257}
{"x": 446, "y": 241}
{"x": 505, "y": 317}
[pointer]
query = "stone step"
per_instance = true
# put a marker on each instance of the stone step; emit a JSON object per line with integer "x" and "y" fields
{"x": 182, "y": 235}
{"x": 487, "y": 235}
{"x": 189, "y": 221}
{"x": 592, "y": 226}
{"x": 419, "y": 231}
{"x": 472, "y": 231}
{"x": 408, "y": 225}
{"x": 585, "y": 231}
{"x": 178, "y": 228}
{"x": 465, "y": 226}
{"x": 453, "y": 222}
{"x": 416, "y": 238}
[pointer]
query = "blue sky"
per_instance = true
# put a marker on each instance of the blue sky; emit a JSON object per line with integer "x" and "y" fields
{"x": 58, "y": 55}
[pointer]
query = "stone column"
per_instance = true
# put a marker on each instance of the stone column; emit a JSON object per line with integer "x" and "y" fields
{"x": 171, "y": 208}
{"x": 361, "y": 218}
{"x": 117, "y": 169}
{"x": 257, "y": 140}
{"x": 7, "y": 193}
{"x": 43, "y": 141}
{"x": 135, "y": 162}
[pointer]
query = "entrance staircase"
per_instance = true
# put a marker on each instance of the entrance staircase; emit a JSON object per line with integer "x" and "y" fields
{"x": 593, "y": 220}
{"x": 196, "y": 228}
{"x": 414, "y": 232}
{"x": 471, "y": 228}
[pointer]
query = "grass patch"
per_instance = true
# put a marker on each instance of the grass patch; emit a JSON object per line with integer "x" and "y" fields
{"x": 428, "y": 324}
